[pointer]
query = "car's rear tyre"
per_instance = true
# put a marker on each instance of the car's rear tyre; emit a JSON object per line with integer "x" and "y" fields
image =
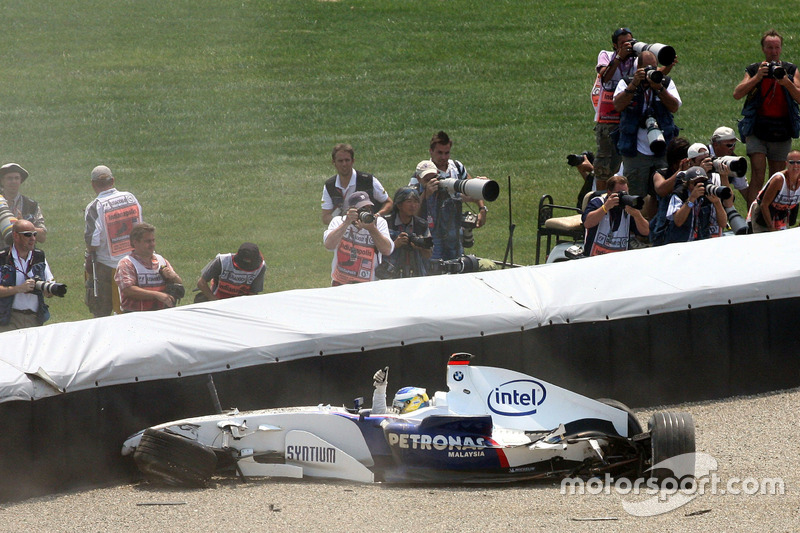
{"x": 634, "y": 427}
{"x": 672, "y": 435}
{"x": 174, "y": 460}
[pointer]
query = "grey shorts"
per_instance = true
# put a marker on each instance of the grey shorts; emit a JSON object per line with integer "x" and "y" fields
{"x": 606, "y": 158}
{"x": 775, "y": 151}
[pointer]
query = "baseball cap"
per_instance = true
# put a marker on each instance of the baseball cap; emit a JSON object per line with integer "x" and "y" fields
{"x": 13, "y": 167}
{"x": 618, "y": 33}
{"x": 358, "y": 200}
{"x": 723, "y": 133}
{"x": 697, "y": 149}
{"x": 694, "y": 173}
{"x": 248, "y": 257}
{"x": 101, "y": 172}
{"x": 424, "y": 168}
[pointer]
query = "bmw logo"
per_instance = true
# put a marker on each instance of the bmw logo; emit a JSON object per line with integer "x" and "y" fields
{"x": 458, "y": 376}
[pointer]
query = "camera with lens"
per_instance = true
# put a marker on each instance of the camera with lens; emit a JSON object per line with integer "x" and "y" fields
{"x": 366, "y": 216}
{"x": 469, "y": 221}
{"x": 176, "y": 290}
{"x": 479, "y": 189}
{"x": 49, "y": 288}
{"x": 574, "y": 160}
{"x": 655, "y": 137}
{"x": 720, "y": 191}
{"x": 653, "y": 75}
{"x": 462, "y": 265}
{"x": 664, "y": 53}
{"x": 737, "y": 166}
{"x": 420, "y": 241}
{"x": 630, "y": 200}
{"x": 776, "y": 70}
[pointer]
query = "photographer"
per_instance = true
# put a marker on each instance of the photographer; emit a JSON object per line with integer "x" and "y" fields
{"x": 771, "y": 112}
{"x": 146, "y": 280}
{"x": 607, "y": 220}
{"x": 612, "y": 66}
{"x": 413, "y": 244}
{"x": 441, "y": 208}
{"x": 230, "y": 275}
{"x": 12, "y": 176}
{"x": 638, "y": 99}
{"x": 21, "y": 264}
{"x": 694, "y": 213}
{"x": 357, "y": 239}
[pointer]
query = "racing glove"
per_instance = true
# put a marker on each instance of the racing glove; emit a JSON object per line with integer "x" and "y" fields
{"x": 381, "y": 379}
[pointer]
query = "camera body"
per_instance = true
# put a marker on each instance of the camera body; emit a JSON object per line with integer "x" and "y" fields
{"x": 469, "y": 221}
{"x": 776, "y": 70}
{"x": 630, "y": 200}
{"x": 49, "y": 288}
{"x": 420, "y": 241}
{"x": 176, "y": 290}
{"x": 574, "y": 160}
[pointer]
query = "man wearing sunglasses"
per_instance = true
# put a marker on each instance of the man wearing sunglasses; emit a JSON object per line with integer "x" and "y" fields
{"x": 21, "y": 306}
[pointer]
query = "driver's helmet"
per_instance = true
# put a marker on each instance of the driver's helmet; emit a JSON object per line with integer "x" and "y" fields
{"x": 410, "y": 399}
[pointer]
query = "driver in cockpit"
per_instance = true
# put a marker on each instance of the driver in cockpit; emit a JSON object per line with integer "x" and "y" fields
{"x": 406, "y": 400}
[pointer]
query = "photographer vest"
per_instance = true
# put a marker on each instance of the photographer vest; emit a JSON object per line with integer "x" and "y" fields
{"x": 363, "y": 183}
{"x": 613, "y": 232}
{"x": 115, "y": 212}
{"x": 149, "y": 279}
{"x": 8, "y": 278}
{"x": 356, "y": 256}
{"x": 234, "y": 281}
{"x": 631, "y": 119}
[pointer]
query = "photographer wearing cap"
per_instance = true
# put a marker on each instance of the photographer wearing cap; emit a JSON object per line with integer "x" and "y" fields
{"x": 647, "y": 106}
{"x": 771, "y": 113}
{"x": 413, "y": 244}
{"x": 229, "y": 275}
{"x": 608, "y": 217}
{"x": 109, "y": 219}
{"x": 358, "y": 240}
{"x": 146, "y": 280}
{"x": 694, "y": 213}
{"x": 347, "y": 181}
{"x": 723, "y": 144}
{"x": 21, "y": 265}
{"x": 12, "y": 176}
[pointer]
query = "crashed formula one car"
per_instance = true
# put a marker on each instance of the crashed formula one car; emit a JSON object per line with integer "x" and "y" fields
{"x": 493, "y": 425}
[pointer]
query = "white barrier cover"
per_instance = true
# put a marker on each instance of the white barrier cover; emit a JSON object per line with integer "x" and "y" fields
{"x": 253, "y": 330}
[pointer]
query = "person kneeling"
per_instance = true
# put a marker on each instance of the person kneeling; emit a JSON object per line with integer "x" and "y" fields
{"x": 610, "y": 218}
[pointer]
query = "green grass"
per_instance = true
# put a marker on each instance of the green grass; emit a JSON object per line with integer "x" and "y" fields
{"x": 220, "y": 116}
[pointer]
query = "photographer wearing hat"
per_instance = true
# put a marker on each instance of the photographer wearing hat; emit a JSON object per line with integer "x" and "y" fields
{"x": 232, "y": 275}
{"x": 771, "y": 113}
{"x": 146, "y": 280}
{"x": 21, "y": 265}
{"x": 358, "y": 240}
{"x": 608, "y": 217}
{"x": 109, "y": 219}
{"x": 12, "y": 176}
{"x": 723, "y": 144}
{"x": 413, "y": 244}
{"x": 694, "y": 213}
